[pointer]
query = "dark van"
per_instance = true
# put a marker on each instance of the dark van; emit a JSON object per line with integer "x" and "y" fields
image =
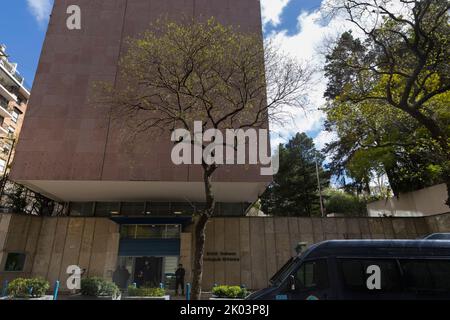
{"x": 365, "y": 270}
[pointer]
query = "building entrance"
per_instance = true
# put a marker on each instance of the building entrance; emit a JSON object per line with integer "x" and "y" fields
{"x": 148, "y": 271}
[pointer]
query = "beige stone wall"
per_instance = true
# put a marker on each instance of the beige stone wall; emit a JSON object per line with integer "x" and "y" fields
{"x": 438, "y": 223}
{"x": 20, "y": 234}
{"x": 247, "y": 250}
{"x": 250, "y": 250}
{"x": 52, "y": 244}
{"x": 424, "y": 202}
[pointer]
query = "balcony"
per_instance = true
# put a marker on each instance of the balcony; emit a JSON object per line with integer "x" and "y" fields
{"x": 4, "y": 109}
{"x": 7, "y": 94}
{"x": 11, "y": 70}
{"x": 3, "y": 131}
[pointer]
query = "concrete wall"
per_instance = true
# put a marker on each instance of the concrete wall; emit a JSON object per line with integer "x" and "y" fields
{"x": 250, "y": 250}
{"x": 424, "y": 202}
{"x": 247, "y": 250}
{"x": 52, "y": 244}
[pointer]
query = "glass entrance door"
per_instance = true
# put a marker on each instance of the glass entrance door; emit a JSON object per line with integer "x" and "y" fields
{"x": 148, "y": 271}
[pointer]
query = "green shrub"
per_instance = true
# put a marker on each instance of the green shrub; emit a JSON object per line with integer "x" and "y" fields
{"x": 145, "y": 292}
{"x": 28, "y": 288}
{"x": 98, "y": 287}
{"x": 229, "y": 292}
{"x": 337, "y": 201}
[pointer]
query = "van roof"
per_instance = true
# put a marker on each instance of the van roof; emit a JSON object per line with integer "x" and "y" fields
{"x": 379, "y": 248}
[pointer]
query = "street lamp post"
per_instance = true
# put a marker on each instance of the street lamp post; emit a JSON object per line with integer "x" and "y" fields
{"x": 320, "y": 188}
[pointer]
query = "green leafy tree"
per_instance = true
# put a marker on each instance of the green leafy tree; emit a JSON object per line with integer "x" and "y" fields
{"x": 340, "y": 202}
{"x": 294, "y": 191}
{"x": 178, "y": 73}
{"x": 397, "y": 73}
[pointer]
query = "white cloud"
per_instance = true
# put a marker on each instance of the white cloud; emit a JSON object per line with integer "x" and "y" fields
{"x": 323, "y": 138}
{"x": 40, "y": 9}
{"x": 272, "y": 10}
{"x": 306, "y": 45}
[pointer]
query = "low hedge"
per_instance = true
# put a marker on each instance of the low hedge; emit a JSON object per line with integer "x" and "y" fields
{"x": 145, "y": 292}
{"x": 234, "y": 292}
{"x": 99, "y": 287}
{"x": 28, "y": 288}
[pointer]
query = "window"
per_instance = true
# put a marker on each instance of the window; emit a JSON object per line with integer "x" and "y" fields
{"x": 149, "y": 232}
{"x": 14, "y": 115}
{"x": 128, "y": 231}
{"x": 172, "y": 231}
{"x": 158, "y": 231}
{"x": 15, "y": 261}
{"x": 78, "y": 209}
{"x": 312, "y": 275}
{"x": 354, "y": 273}
{"x": 426, "y": 275}
{"x": 132, "y": 208}
{"x": 11, "y": 129}
{"x": 2, "y": 166}
{"x": 106, "y": 209}
{"x": 158, "y": 208}
{"x": 182, "y": 208}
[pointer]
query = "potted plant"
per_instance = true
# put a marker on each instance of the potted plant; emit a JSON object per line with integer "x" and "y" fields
{"x": 228, "y": 292}
{"x": 28, "y": 289}
{"x": 96, "y": 288}
{"x": 145, "y": 293}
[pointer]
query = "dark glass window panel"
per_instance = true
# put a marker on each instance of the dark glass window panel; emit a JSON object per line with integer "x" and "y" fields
{"x": 426, "y": 275}
{"x": 312, "y": 274}
{"x": 132, "y": 208}
{"x": 199, "y": 206}
{"x": 182, "y": 208}
{"x": 150, "y": 231}
{"x": 172, "y": 232}
{"x": 355, "y": 274}
{"x": 106, "y": 209}
{"x": 128, "y": 231}
{"x": 15, "y": 262}
{"x": 82, "y": 209}
{"x": 159, "y": 208}
{"x": 231, "y": 209}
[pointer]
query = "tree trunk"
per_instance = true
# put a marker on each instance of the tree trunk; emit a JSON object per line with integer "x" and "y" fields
{"x": 200, "y": 233}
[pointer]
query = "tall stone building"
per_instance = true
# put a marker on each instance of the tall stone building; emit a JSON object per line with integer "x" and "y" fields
{"x": 75, "y": 153}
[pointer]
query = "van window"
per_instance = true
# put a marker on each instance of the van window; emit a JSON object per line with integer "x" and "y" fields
{"x": 312, "y": 275}
{"x": 280, "y": 274}
{"x": 426, "y": 275}
{"x": 354, "y": 274}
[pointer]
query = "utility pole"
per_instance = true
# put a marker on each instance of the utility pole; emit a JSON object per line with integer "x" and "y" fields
{"x": 320, "y": 188}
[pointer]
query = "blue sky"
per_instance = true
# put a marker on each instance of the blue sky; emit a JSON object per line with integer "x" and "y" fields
{"x": 23, "y": 35}
{"x": 23, "y": 32}
{"x": 23, "y": 25}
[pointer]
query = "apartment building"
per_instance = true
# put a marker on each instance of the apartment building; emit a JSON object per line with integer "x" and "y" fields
{"x": 13, "y": 104}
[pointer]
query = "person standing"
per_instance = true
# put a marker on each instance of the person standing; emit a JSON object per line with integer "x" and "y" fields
{"x": 179, "y": 279}
{"x": 148, "y": 276}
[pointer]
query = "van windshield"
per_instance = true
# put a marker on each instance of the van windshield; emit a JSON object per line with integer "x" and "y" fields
{"x": 284, "y": 271}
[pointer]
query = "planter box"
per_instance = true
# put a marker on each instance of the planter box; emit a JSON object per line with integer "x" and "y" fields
{"x": 218, "y": 298}
{"x": 31, "y": 299}
{"x": 146, "y": 298}
{"x": 81, "y": 297}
